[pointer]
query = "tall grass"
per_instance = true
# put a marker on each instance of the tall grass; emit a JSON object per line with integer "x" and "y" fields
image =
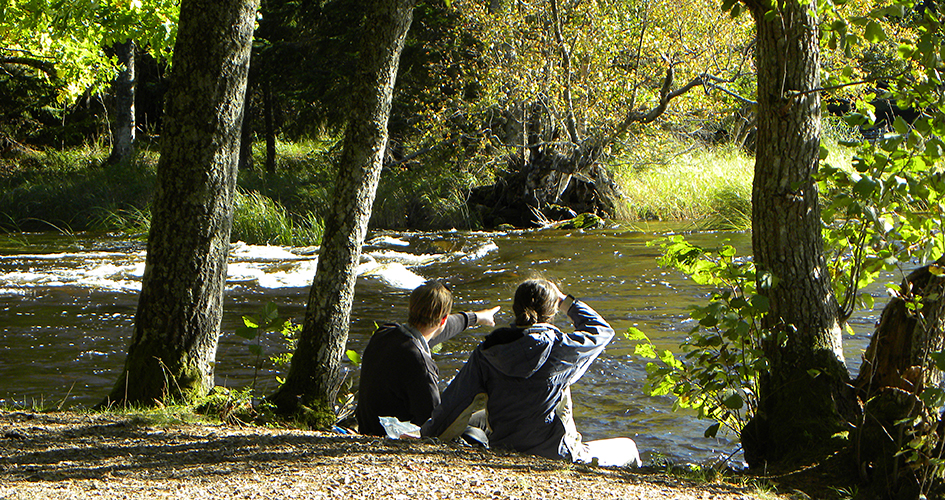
{"x": 71, "y": 188}
{"x": 257, "y": 220}
{"x": 688, "y": 182}
{"x": 669, "y": 179}
{"x": 260, "y": 220}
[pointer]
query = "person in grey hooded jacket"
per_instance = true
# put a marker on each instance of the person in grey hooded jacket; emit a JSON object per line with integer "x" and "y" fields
{"x": 522, "y": 376}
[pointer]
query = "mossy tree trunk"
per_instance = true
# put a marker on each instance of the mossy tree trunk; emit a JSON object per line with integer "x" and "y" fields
{"x": 311, "y": 384}
{"x": 180, "y": 306}
{"x": 804, "y": 398}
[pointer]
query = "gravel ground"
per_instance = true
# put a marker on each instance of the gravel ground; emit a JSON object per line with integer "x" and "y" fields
{"x": 75, "y": 455}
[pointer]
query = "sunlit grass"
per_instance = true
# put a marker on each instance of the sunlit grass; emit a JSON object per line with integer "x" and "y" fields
{"x": 260, "y": 220}
{"x": 710, "y": 187}
{"x": 672, "y": 180}
{"x": 664, "y": 179}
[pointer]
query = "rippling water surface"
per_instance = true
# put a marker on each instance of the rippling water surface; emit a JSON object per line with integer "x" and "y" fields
{"x": 67, "y": 306}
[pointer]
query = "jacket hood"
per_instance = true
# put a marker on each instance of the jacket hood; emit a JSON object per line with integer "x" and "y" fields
{"x": 518, "y": 352}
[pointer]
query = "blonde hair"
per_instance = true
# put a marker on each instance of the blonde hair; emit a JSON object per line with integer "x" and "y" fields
{"x": 535, "y": 302}
{"x": 429, "y": 304}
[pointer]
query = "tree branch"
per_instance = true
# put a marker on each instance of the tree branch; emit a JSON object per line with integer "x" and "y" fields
{"x": 794, "y": 93}
{"x": 44, "y": 66}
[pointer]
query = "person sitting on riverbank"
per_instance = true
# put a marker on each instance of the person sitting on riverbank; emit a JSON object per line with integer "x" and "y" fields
{"x": 398, "y": 376}
{"x": 522, "y": 375}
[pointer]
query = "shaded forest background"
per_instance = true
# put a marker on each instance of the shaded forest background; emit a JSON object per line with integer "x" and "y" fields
{"x": 505, "y": 113}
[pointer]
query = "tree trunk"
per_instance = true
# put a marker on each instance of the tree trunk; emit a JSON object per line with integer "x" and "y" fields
{"x": 179, "y": 310}
{"x": 311, "y": 386}
{"x": 270, "y": 128}
{"x": 122, "y": 105}
{"x": 246, "y": 134}
{"x": 897, "y": 367}
{"x": 804, "y": 398}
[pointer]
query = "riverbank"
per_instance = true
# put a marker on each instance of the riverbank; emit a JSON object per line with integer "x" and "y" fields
{"x": 75, "y": 455}
{"x": 75, "y": 190}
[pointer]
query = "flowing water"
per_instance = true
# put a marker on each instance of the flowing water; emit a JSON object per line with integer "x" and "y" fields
{"x": 67, "y": 305}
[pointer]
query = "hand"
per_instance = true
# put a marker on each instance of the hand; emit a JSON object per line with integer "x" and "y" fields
{"x": 486, "y": 316}
{"x": 561, "y": 296}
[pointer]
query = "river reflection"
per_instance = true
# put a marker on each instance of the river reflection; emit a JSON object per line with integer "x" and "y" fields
{"x": 67, "y": 305}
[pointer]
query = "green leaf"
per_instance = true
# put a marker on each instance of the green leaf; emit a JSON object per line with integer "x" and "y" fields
{"x": 255, "y": 349}
{"x": 353, "y": 356}
{"x": 874, "y": 32}
{"x": 667, "y": 357}
{"x": 634, "y": 333}
{"x": 250, "y": 322}
{"x": 900, "y": 126}
{"x": 646, "y": 351}
{"x": 939, "y": 358}
{"x": 855, "y": 119}
{"x": 270, "y": 313}
{"x": 865, "y": 187}
{"x": 734, "y": 401}
{"x": 712, "y": 430}
{"x": 246, "y": 332}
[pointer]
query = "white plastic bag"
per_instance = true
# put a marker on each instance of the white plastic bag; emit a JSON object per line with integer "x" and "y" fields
{"x": 395, "y": 428}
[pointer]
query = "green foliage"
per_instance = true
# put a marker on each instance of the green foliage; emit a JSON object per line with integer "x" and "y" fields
{"x": 885, "y": 212}
{"x": 267, "y": 320}
{"x": 258, "y": 219}
{"x": 74, "y": 35}
{"x": 228, "y": 406}
{"x": 73, "y": 188}
{"x": 718, "y": 373}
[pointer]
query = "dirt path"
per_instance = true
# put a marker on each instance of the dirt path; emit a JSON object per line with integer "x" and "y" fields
{"x": 72, "y": 455}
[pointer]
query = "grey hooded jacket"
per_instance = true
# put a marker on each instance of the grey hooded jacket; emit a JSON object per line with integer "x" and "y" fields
{"x": 521, "y": 373}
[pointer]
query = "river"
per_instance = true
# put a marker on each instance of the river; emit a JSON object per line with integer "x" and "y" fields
{"x": 67, "y": 305}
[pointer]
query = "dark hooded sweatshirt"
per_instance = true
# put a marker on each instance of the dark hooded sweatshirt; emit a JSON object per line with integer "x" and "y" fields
{"x": 398, "y": 375}
{"x": 523, "y": 372}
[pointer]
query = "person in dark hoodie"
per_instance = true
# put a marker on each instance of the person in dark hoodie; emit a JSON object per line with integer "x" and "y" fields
{"x": 398, "y": 376}
{"x": 522, "y": 376}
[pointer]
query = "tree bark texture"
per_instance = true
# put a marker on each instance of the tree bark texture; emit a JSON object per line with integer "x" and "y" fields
{"x": 897, "y": 367}
{"x": 316, "y": 365}
{"x": 180, "y": 306}
{"x": 122, "y": 105}
{"x": 802, "y": 399}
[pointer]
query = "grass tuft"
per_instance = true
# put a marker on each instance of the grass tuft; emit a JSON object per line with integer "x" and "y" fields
{"x": 260, "y": 220}
{"x": 687, "y": 181}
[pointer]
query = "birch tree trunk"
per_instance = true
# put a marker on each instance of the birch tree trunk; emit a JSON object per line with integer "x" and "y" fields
{"x": 122, "y": 105}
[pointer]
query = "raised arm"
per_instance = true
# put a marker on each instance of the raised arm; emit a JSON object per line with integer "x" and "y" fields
{"x": 592, "y": 334}
{"x": 458, "y": 322}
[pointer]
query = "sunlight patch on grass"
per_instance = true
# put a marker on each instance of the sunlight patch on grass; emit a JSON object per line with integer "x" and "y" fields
{"x": 695, "y": 184}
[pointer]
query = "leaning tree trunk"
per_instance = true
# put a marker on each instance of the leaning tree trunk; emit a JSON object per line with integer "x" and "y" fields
{"x": 802, "y": 400}
{"x": 311, "y": 385}
{"x": 897, "y": 367}
{"x": 179, "y": 310}
{"x": 122, "y": 105}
